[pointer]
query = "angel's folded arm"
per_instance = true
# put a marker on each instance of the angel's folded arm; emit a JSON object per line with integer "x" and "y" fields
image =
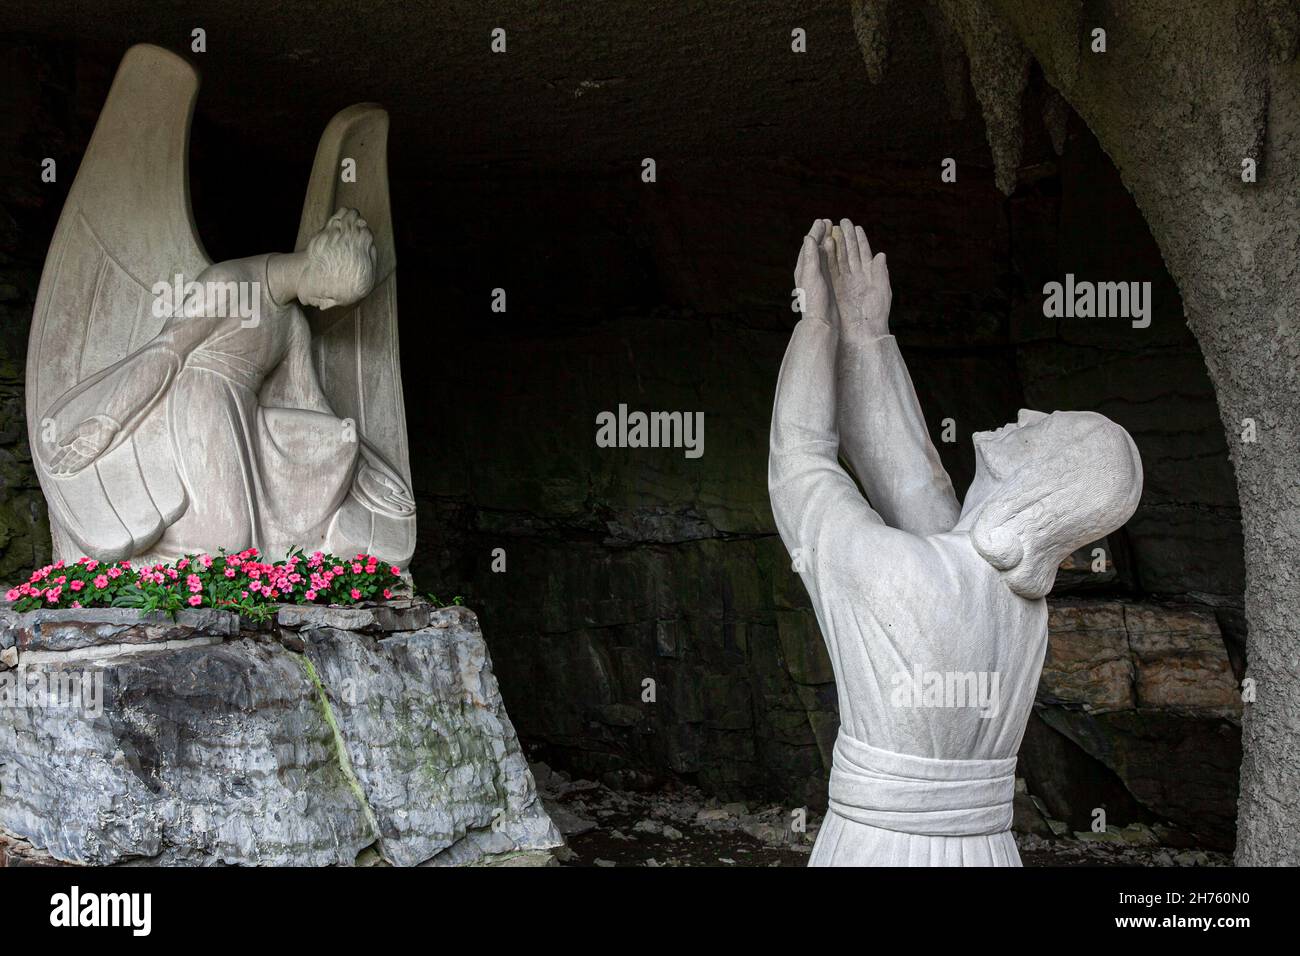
{"x": 136, "y": 382}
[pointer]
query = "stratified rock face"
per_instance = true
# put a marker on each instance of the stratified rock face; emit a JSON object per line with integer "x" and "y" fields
{"x": 1106, "y": 656}
{"x": 304, "y": 742}
{"x": 428, "y": 740}
{"x": 1088, "y": 658}
{"x": 1148, "y": 693}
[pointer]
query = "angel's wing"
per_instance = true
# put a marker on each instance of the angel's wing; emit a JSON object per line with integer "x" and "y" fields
{"x": 126, "y": 225}
{"x": 355, "y": 347}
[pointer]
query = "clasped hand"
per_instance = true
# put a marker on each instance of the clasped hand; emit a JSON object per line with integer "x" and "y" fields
{"x": 843, "y": 284}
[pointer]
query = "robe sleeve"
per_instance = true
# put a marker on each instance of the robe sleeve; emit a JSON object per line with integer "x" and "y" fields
{"x": 814, "y": 500}
{"x": 885, "y": 439}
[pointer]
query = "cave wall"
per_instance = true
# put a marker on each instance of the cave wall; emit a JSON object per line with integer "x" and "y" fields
{"x": 38, "y": 81}
{"x": 628, "y": 564}
{"x": 623, "y": 565}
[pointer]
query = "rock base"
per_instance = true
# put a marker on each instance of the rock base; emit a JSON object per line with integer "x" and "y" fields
{"x": 329, "y": 736}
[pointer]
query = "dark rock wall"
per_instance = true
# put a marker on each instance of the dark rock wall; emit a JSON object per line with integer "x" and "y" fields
{"x": 623, "y": 565}
{"x": 629, "y": 565}
{"x": 36, "y": 122}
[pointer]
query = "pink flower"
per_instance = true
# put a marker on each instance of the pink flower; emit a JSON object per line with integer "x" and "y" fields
{"x": 77, "y": 585}
{"x": 356, "y": 595}
{"x": 183, "y": 563}
{"x": 76, "y": 604}
{"x": 387, "y": 593}
{"x": 115, "y": 573}
{"x": 230, "y": 572}
{"x": 356, "y": 569}
{"x": 396, "y": 571}
{"x": 52, "y": 595}
{"x": 101, "y": 581}
{"x": 196, "y": 601}
{"x": 310, "y": 595}
{"x": 11, "y": 594}
{"x": 206, "y": 561}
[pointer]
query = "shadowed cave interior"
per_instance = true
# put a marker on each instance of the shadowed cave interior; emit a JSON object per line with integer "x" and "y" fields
{"x": 523, "y": 172}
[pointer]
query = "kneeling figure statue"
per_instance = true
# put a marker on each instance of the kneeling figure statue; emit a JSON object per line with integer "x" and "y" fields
{"x": 262, "y": 408}
{"x": 903, "y": 580}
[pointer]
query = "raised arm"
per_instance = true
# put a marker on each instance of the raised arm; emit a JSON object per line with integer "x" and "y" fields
{"x": 808, "y": 488}
{"x": 882, "y": 431}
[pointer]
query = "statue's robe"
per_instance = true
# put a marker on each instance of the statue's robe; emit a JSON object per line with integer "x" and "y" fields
{"x": 232, "y": 409}
{"x": 911, "y": 784}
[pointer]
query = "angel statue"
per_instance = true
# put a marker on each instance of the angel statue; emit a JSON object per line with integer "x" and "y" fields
{"x": 178, "y": 406}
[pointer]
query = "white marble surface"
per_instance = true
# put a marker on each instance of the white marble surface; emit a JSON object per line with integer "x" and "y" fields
{"x": 933, "y": 613}
{"x": 263, "y": 408}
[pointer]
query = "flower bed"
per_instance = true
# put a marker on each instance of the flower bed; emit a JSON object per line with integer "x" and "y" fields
{"x": 240, "y": 582}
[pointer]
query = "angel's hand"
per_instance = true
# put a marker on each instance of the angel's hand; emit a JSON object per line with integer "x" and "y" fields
{"x": 384, "y": 488}
{"x": 83, "y": 445}
{"x": 860, "y": 281}
{"x": 810, "y": 276}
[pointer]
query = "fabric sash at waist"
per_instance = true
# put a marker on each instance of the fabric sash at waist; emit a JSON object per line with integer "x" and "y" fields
{"x": 921, "y": 795}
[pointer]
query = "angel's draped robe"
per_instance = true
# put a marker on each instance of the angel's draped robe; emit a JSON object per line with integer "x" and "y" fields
{"x": 926, "y": 781}
{"x": 235, "y": 408}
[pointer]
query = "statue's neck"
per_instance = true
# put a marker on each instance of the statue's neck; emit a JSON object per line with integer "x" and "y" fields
{"x": 283, "y": 274}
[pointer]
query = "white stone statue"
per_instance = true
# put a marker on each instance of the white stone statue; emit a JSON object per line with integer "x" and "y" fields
{"x": 175, "y": 405}
{"x": 934, "y": 615}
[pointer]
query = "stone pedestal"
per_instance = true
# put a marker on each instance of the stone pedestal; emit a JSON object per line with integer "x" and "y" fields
{"x": 328, "y": 736}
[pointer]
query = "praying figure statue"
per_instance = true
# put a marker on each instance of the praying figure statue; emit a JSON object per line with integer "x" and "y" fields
{"x": 179, "y": 406}
{"x": 906, "y": 582}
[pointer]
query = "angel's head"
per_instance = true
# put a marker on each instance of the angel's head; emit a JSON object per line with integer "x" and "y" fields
{"x": 1046, "y": 485}
{"x": 340, "y": 262}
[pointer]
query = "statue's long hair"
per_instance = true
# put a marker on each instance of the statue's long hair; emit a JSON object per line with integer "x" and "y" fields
{"x": 1078, "y": 492}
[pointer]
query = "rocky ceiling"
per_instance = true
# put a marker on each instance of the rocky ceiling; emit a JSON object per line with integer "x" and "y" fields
{"x": 581, "y": 84}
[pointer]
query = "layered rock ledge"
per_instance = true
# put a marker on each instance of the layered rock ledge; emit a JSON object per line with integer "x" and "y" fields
{"x": 326, "y": 736}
